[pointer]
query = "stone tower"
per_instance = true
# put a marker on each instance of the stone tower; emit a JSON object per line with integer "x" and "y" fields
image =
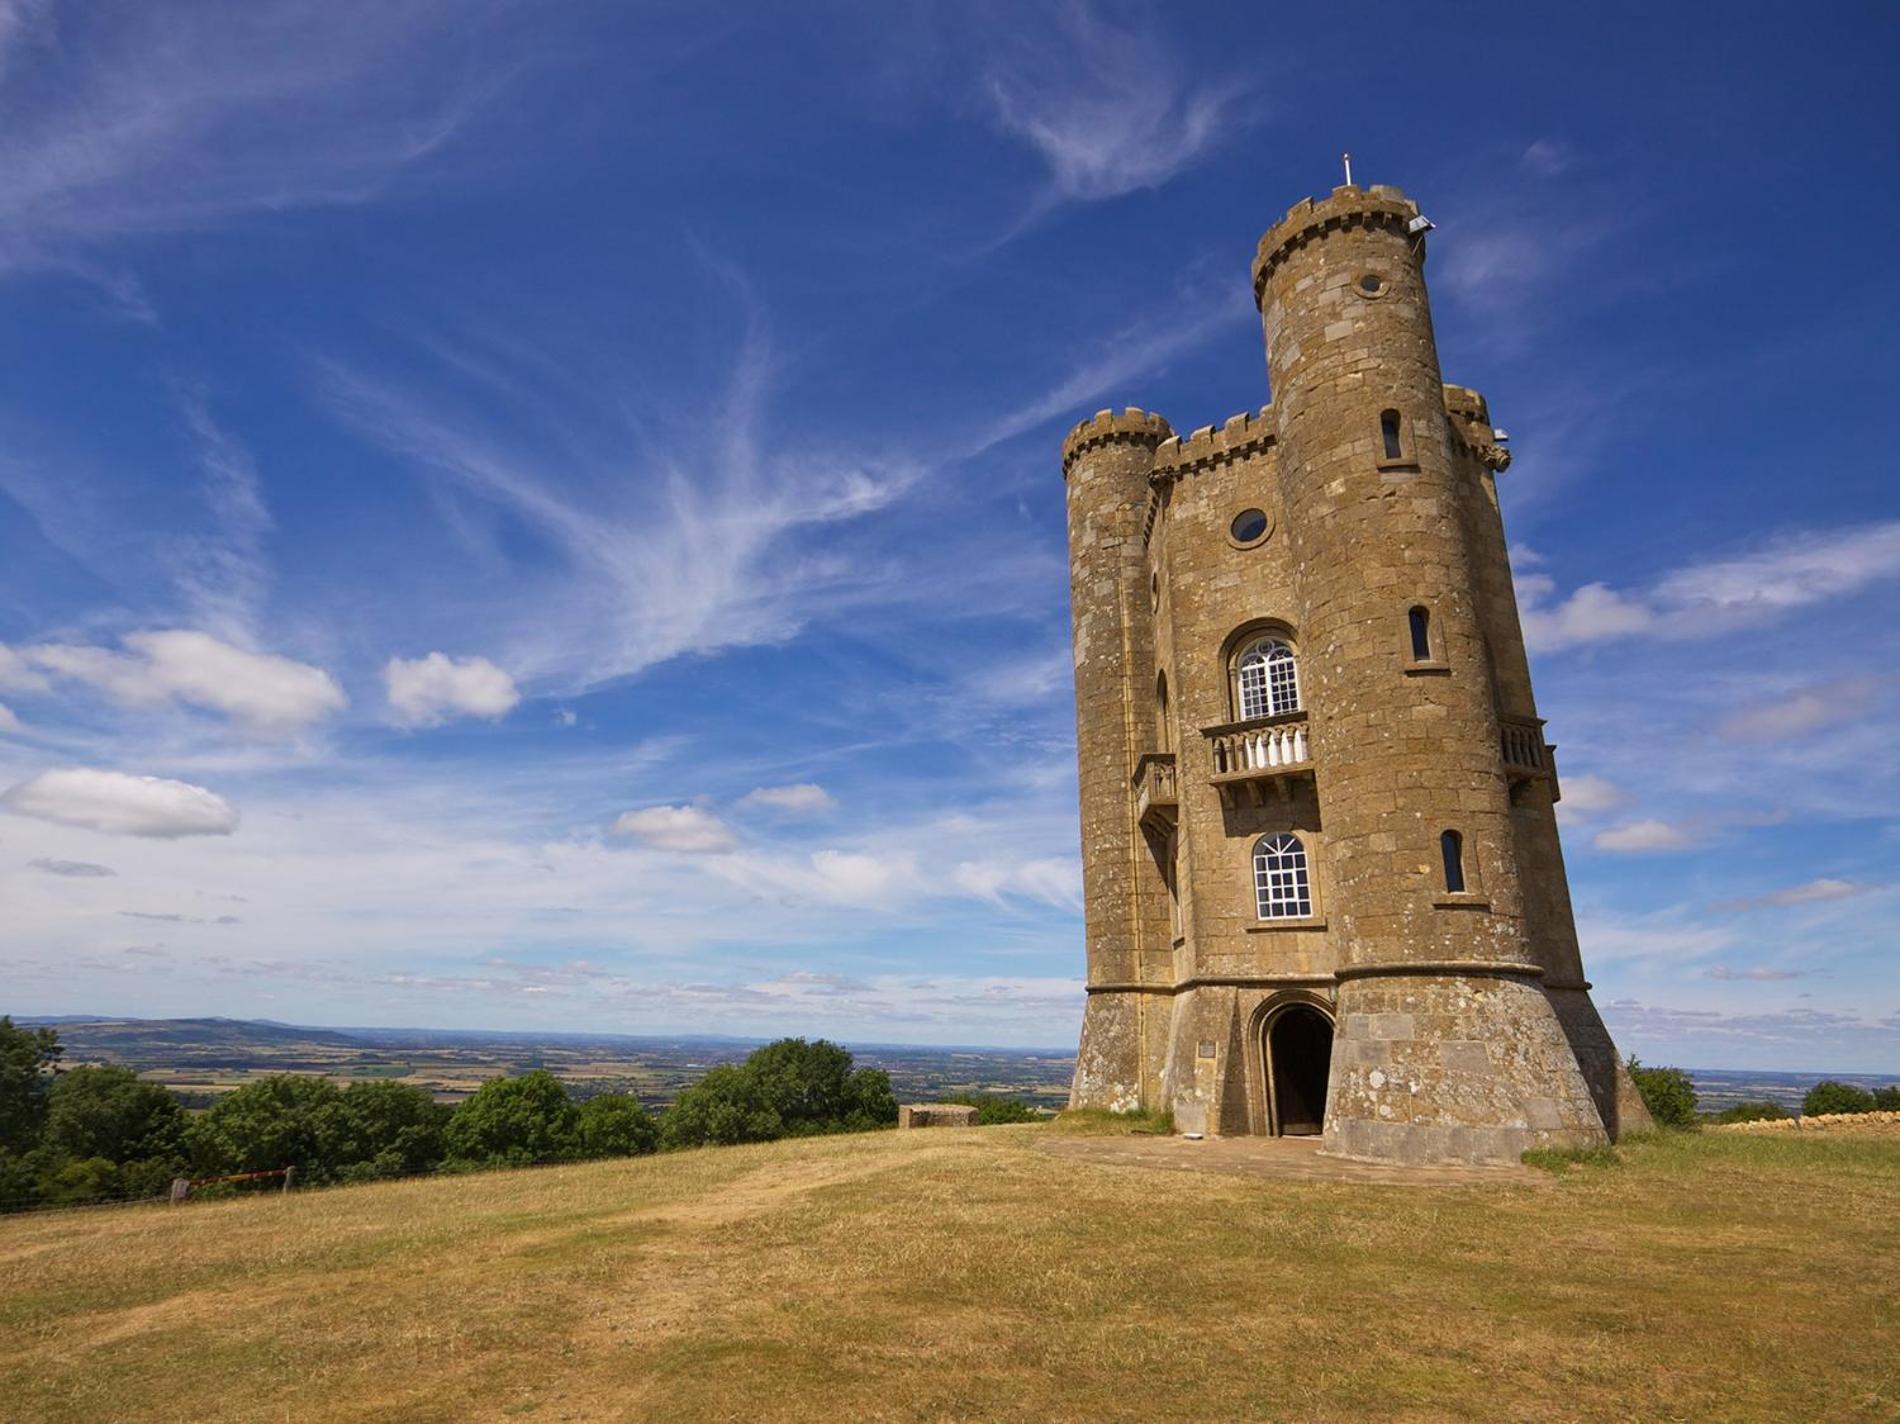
{"x": 1323, "y": 886}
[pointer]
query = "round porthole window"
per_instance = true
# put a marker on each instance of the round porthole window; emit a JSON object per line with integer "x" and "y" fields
{"x": 1372, "y": 285}
{"x": 1250, "y": 526}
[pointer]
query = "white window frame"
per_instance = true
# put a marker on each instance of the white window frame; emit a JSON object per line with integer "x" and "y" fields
{"x": 1282, "y": 878}
{"x": 1266, "y": 680}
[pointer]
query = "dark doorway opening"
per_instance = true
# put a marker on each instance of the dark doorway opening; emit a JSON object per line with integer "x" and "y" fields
{"x": 1299, "y": 1058}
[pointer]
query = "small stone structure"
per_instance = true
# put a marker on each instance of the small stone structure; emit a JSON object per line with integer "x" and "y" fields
{"x": 935, "y": 1115}
{"x": 1323, "y": 888}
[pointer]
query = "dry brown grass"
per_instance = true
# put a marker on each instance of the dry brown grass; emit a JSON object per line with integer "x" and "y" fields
{"x": 971, "y": 1276}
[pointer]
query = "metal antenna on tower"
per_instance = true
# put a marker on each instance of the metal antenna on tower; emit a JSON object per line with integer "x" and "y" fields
{"x": 1348, "y": 158}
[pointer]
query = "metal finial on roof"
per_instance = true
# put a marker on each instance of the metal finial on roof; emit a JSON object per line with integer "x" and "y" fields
{"x": 1348, "y": 158}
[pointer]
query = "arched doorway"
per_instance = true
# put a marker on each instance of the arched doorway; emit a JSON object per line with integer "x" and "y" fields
{"x": 1299, "y": 1057}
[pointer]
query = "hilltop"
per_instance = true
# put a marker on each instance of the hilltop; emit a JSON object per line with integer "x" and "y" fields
{"x": 979, "y": 1275}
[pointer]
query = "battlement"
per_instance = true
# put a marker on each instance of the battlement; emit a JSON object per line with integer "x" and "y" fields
{"x": 1471, "y": 423}
{"x": 1238, "y": 436}
{"x": 1463, "y": 403}
{"x": 1106, "y": 427}
{"x": 1306, "y": 221}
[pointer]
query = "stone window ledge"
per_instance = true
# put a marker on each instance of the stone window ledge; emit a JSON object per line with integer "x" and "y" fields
{"x": 1284, "y": 926}
{"x": 1431, "y": 668}
{"x": 1462, "y": 902}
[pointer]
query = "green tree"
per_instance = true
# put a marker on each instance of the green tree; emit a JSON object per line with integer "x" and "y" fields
{"x": 111, "y": 1112}
{"x": 512, "y": 1122}
{"x": 728, "y": 1105}
{"x": 995, "y": 1108}
{"x": 1887, "y": 1099}
{"x": 381, "y": 1128}
{"x": 1762, "y": 1111}
{"x": 615, "y": 1125}
{"x": 27, "y": 1062}
{"x": 78, "y": 1181}
{"x": 280, "y": 1121}
{"x": 810, "y": 1085}
{"x": 793, "y": 1087}
{"x": 1667, "y": 1093}
{"x": 1828, "y": 1096}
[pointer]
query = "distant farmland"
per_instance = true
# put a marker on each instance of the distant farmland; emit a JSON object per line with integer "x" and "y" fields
{"x": 201, "y": 1058}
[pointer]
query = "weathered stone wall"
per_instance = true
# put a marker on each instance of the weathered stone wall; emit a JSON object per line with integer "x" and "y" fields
{"x": 1106, "y": 462}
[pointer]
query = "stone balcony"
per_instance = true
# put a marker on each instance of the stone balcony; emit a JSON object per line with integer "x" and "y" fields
{"x": 1248, "y": 758}
{"x": 1157, "y": 800}
{"x": 1526, "y": 757}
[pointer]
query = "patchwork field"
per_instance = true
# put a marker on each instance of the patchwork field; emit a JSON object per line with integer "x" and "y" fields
{"x": 977, "y": 1274}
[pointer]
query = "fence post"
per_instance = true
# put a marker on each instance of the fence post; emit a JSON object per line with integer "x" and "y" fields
{"x": 181, "y": 1188}
{"x": 290, "y": 1178}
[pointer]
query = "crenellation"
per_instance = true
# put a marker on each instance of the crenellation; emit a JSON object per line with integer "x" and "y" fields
{"x": 1290, "y": 886}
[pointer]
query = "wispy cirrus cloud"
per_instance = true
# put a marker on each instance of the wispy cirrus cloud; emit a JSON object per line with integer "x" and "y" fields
{"x": 138, "y": 120}
{"x": 1109, "y": 107}
{"x": 652, "y": 548}
{"x": 1716, "y": 596}
{"x": 1812, "y": 892}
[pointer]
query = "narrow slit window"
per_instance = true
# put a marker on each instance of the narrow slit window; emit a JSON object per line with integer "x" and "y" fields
{"x": 1421, "y": 621}
{"x": 1453, "y": 846}
{"x": 1163, "y": 728}
{"x": 1389, "y": 433}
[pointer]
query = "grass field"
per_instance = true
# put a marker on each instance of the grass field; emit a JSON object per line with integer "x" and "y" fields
{"x": 972, "y": 1275}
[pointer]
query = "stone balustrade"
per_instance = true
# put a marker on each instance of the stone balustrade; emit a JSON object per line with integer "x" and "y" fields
{"x": 1261, "y": 749}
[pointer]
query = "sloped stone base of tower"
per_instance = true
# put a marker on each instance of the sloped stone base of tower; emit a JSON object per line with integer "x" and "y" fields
{"x": 1108, "y": 1064}
{"x": 1453, "y": 1068}
{"x": 1614, "y": 1091}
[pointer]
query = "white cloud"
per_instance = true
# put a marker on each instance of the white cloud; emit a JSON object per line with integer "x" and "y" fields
{"x": 1795, "y": 572}
{"x": 1804, "y": 710}
{"x": 119, "y": 804}
{"x": 1707, "y": 599}
{"x": 1054, "y": 879}
{"x": 17, "y": 674}
{"x": 1594, "y": 612}
{"x": 1548, "y": 157}
{"x": 72, "y": 869}
{"x": 856, "y": 879}
{"x": 8, "y": 721}
{"x": 1640, "y": 836}
{"x": 1589, "y": 795}
{"x": 262, "y": 691}
{"x": 1760, "y": 972}
{"x": 802, "y": 799}
{"x": 1811, "y": 893}
{"x": 424, "y": 692}
{"x": 690, "y": 829}
{"x": 1108, "y": 110}
{"x": 1653, "y": 939}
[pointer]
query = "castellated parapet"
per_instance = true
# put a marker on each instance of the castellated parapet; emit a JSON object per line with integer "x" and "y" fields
{"x": 1323, "y": 886}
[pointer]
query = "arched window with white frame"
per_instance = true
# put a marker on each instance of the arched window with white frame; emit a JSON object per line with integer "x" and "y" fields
{"x": 1281, "y": 886}
{"x": 1267, "y": 679}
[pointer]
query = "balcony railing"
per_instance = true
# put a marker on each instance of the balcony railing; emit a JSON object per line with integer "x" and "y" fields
{"x": 1265, "y": 751}
{"x": 1157, "y": 799}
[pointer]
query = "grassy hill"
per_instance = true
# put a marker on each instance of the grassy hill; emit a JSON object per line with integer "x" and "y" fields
{"x": 975, "y": 1275}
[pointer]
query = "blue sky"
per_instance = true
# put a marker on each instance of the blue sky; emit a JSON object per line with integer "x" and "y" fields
{"x": 561, "y": 501}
